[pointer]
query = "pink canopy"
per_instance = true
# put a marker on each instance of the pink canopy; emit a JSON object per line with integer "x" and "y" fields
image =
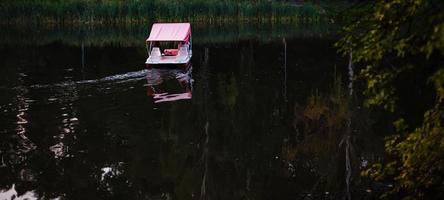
{"x": 170, "y": 32}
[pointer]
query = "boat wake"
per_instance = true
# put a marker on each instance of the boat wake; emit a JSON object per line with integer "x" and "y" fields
{"x": 119, "y": 78}
{"x": 69, "y": 91}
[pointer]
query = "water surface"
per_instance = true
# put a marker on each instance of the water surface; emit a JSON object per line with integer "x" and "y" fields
{"x": 264, "y": 112}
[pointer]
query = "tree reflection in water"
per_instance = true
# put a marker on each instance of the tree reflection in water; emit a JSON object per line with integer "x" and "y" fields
{"x": 253, "y": 129}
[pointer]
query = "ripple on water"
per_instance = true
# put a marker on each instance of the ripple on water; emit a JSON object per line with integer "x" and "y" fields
{"x": 11, "y": 194}
{"x": 119, "y": 78}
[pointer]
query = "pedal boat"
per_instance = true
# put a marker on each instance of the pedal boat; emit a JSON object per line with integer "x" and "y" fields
{"x": 177, "y": 35}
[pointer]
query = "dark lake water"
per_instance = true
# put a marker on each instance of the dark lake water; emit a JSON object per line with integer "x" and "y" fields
{"x": 262, "y": 113}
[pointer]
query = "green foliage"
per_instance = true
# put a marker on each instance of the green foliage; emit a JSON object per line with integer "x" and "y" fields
{"x": 141, "y": 11}
{"x": 438, "y": 81}
{"x": 384, "y": 40}
{"x": 390, "y": 32}
{"x": 418, "y": 160}
{"x": 129, "y": 36}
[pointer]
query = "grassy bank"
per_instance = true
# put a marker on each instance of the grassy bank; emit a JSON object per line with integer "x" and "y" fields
{"x": 143, "y": 11}
{"x": 135, "y": 35}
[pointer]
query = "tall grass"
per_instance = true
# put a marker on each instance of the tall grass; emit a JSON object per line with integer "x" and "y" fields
{"x": 135, "y": 35}
{"x": 141, "y": 11}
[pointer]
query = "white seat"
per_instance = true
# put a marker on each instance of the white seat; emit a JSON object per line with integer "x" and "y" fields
{"x": 183, "y": 50}
{"x": 155, "y": 52}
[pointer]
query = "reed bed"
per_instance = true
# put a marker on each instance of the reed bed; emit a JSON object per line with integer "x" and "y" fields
{"x": 130, "y": 36}
{"x": 143, "y": 11}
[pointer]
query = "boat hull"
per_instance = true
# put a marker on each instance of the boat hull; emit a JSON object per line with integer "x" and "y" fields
{"x": 165, "y": 60}
{"x": 169, "y": 65}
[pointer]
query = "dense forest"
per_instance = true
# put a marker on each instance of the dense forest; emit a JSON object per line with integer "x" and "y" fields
{"x": 398, "y": 45}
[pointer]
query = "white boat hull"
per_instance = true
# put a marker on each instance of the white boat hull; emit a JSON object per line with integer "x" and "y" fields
{"x": 158, "y": 60}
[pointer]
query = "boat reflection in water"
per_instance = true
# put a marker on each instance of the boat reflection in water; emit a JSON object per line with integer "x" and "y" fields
{"x": 170, "y": 84}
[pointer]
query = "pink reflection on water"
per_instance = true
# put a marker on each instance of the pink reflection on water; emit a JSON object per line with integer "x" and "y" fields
{"x": 180, "y": 79}
{"x": 165, "y": 97}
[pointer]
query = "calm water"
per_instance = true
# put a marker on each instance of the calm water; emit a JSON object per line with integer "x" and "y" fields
{"x": 262, "y": 113}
